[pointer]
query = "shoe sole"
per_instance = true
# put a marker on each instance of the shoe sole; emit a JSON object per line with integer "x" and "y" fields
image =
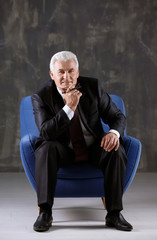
{"x": 42, "y": 228}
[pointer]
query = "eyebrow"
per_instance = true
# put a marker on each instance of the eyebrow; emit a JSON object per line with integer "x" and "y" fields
{"x": 60, "y": 69}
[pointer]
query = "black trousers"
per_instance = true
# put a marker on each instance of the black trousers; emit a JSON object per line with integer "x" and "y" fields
{"x": 51, "y": 155}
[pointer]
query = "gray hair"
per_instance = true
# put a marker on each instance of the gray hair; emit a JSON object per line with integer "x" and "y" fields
{"x": 63, "y": 56}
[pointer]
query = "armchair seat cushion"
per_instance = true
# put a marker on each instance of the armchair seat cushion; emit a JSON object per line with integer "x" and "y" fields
{"x": 80, "y": 171}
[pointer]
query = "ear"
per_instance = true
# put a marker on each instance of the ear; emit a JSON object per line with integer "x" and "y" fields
{"x": 78, "y": 73}
{"x": 51, "y": 74}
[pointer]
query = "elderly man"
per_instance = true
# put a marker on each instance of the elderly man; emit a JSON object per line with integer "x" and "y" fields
{"x": 67, "y": 112}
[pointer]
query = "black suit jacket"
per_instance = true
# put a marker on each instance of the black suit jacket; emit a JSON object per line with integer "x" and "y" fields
{"x": 94, "y": 104}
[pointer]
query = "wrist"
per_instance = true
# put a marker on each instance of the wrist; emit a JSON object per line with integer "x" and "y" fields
{"x": 72, "y": 107}
{"x": 115, "y": 132}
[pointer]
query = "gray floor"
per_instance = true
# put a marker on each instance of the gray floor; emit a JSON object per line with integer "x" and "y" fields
{"x": 76, "y": 218}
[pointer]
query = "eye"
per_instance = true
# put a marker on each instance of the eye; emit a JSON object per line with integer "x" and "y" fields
{"x": 71, "y": 70}
{"x": 61, "y": 71}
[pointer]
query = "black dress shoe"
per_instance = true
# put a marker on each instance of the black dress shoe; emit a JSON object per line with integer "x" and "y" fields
{"x": 43, "y": 222}
{"x": 116, "y": 220}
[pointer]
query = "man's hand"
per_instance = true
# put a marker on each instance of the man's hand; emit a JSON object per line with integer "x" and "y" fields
{"x": 72, "y": 97}
{"x": 110, "y": 141}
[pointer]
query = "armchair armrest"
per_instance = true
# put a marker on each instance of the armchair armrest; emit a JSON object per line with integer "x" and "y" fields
{"x": 133, "y": 151}
{"x": 28, "y": 158}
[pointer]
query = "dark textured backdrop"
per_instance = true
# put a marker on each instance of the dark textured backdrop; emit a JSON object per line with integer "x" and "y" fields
{"x": 115, "y": 41}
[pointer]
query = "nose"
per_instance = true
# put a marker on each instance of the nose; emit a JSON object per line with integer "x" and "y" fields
{"x": 66, "y": 75}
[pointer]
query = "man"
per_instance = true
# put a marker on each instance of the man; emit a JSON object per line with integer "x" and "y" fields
{"x": 68, "y": 117}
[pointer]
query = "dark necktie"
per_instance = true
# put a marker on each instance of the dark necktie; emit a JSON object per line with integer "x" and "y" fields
{"x": 77, "y": 139}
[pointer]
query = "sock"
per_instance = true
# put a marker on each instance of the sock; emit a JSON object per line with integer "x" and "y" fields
{"x": 114, "y": 212}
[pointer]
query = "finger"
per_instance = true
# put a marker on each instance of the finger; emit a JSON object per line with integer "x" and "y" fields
{"x": 76, "y": 93}
{"x": 110, "y": 145}
{"x": 68, "y": 89}
{"x": 106, "y": 146}
{"x": 104, "y": 142}
{"x": 117, "y": 145}
{"x": 79, "y": 93}
{"x": 69, "y": 93}
{"x": 109, "y": 141}
{"x": 71, "y": 88}
{"x": 73, "y": 92}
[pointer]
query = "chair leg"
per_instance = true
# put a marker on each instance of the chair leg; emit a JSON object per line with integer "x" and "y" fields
{"x": 103, "y": 200}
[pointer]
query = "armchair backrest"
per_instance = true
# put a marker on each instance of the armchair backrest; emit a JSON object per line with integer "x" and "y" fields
{"x": 27, "y": 120}
{"x": 120, "y": 105}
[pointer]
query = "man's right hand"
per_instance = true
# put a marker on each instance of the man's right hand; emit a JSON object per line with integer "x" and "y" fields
{"x": 72, "y": 98}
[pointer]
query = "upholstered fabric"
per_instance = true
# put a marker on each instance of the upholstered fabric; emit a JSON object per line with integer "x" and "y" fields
{"x": 80, "y": 179}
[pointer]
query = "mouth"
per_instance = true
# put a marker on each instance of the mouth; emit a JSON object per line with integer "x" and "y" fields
{"x": 66, "y": 83}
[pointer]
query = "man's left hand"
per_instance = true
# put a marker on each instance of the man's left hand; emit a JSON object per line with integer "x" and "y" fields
{"x": 110, "y": 141}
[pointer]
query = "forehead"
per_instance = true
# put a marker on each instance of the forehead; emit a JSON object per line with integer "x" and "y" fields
{"x": 65, "y": 64}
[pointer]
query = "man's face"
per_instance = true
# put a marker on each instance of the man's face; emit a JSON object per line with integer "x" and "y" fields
{"x": 65, "y": 74}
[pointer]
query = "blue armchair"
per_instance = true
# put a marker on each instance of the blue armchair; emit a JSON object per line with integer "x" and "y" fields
{"x": 80, "y": 179}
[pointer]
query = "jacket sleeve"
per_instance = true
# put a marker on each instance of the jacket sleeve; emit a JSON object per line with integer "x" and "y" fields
{"x": 109, "y": 113}
{"x": 51, "y": 125}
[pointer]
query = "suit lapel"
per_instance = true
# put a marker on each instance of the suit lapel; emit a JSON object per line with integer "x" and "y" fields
{"x": 57, "y": 100}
